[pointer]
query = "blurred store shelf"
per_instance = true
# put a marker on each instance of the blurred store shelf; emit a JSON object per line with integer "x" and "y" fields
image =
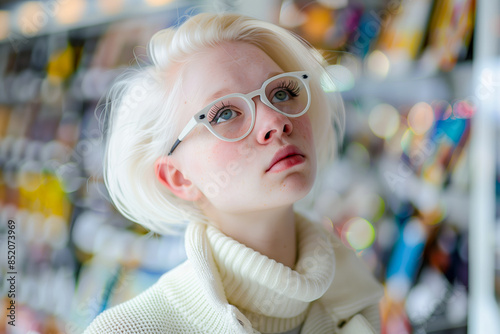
{"x": 75, "y": 255}
{"x": 22, "y": 20}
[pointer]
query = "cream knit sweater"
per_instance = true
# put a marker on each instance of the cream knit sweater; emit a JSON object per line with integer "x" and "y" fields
{"x": 226, "y": 287}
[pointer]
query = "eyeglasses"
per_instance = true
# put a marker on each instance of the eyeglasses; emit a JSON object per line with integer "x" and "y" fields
{"x": 232, "y": 117}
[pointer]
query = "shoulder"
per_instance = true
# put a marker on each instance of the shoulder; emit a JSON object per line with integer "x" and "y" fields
{"x": 152, "y": 311}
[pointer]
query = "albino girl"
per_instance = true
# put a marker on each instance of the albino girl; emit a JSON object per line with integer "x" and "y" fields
{"x": 223, "y": 133}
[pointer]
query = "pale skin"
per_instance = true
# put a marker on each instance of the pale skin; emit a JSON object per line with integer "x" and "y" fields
{"x": 230, "y": 181}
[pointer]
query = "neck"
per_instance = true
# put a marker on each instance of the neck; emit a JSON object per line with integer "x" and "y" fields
{"x": 269, "y": 232}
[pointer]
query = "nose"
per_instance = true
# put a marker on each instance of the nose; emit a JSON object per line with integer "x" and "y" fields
{"x": 270, "y": 124}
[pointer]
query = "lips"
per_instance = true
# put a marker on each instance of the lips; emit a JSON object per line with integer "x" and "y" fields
{"x": 285, "y": 158}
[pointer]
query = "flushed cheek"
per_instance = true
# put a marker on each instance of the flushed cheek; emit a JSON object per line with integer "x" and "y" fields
{"x": 223, "y": 155}
{"x": 225, "y": 172}
{"x": 235, "y": 162}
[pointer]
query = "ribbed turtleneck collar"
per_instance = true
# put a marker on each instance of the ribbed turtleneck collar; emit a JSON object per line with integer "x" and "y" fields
{"x": 272, "y": 296}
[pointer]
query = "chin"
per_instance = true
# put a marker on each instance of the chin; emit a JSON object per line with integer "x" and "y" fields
{"x": 296, "y": 186}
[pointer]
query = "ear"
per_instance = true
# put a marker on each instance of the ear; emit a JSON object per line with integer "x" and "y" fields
{"x": 171, "y": 177}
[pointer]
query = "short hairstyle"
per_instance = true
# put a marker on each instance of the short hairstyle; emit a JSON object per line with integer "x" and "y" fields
{"x": 143, "y": 105}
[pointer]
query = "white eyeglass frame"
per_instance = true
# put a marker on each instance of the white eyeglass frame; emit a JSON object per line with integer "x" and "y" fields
{"x": 200, "y": 117}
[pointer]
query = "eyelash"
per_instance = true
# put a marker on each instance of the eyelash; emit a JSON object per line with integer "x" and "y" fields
{"x": 291, "y": 86}
{"x": 212, "y": 113}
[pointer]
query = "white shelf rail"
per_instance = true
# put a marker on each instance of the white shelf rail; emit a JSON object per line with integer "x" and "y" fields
{"x": 484, "y": 314}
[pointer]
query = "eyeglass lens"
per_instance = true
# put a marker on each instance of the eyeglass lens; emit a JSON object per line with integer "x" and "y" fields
{"x": 231, "y": 117}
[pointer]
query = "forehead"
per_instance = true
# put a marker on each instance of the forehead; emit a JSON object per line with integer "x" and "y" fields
{"x": 232, "y": 67}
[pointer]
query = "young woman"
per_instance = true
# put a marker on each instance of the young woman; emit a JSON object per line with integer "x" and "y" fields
{"x": 223, "y": 133}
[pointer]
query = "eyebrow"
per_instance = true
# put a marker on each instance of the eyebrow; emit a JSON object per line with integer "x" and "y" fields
{"x": 226, "y": 91}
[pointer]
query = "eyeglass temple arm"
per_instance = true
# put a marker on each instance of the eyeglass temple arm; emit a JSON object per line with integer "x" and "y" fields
{"x": 177, "y": 142}
{"x": 187, "y": 129}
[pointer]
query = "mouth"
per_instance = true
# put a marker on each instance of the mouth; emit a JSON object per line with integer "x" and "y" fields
{"x": 285, "y": 158}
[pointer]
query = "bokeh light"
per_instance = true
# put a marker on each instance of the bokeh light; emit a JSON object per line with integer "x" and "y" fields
{"x": 359, "y": 233}
{"x": 340, "y": 79}
{"x": 384, "y": 120}
{"x": 4, "y": 24}
{"x": 414, "y": 232}
{"x": 334, "y": 4}
{"x": 421, "y": 118}
{"x": 318, "y": 21}
{"x": 70, "y": 11}
{"x": 433, "y": 173}
{"x": 31, "y": 18}
{"x": 378, "y": 64}
{"x": 290, "y": 15}
{"x": 397, "y": 289}
{"x": 156, "y": 3}
{"x": 435, "y": 216}
{"x": 110, "y": 6}
{"x": 463, "y": 109}
{"x": 29, "y": 176}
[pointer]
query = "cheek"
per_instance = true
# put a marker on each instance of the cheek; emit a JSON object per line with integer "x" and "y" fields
{"x": 302, "y": 125}
{"x": 207, "y": 156}
{"x": 222, "y": 154}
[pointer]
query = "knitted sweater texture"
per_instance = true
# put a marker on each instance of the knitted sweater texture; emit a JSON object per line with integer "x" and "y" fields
{"x": 226, "y": 287}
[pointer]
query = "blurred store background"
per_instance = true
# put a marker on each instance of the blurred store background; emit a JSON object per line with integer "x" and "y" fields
{"x": 415, "y": 190}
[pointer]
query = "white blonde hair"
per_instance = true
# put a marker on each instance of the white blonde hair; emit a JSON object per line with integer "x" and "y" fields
{"x": 142, "y": 110}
